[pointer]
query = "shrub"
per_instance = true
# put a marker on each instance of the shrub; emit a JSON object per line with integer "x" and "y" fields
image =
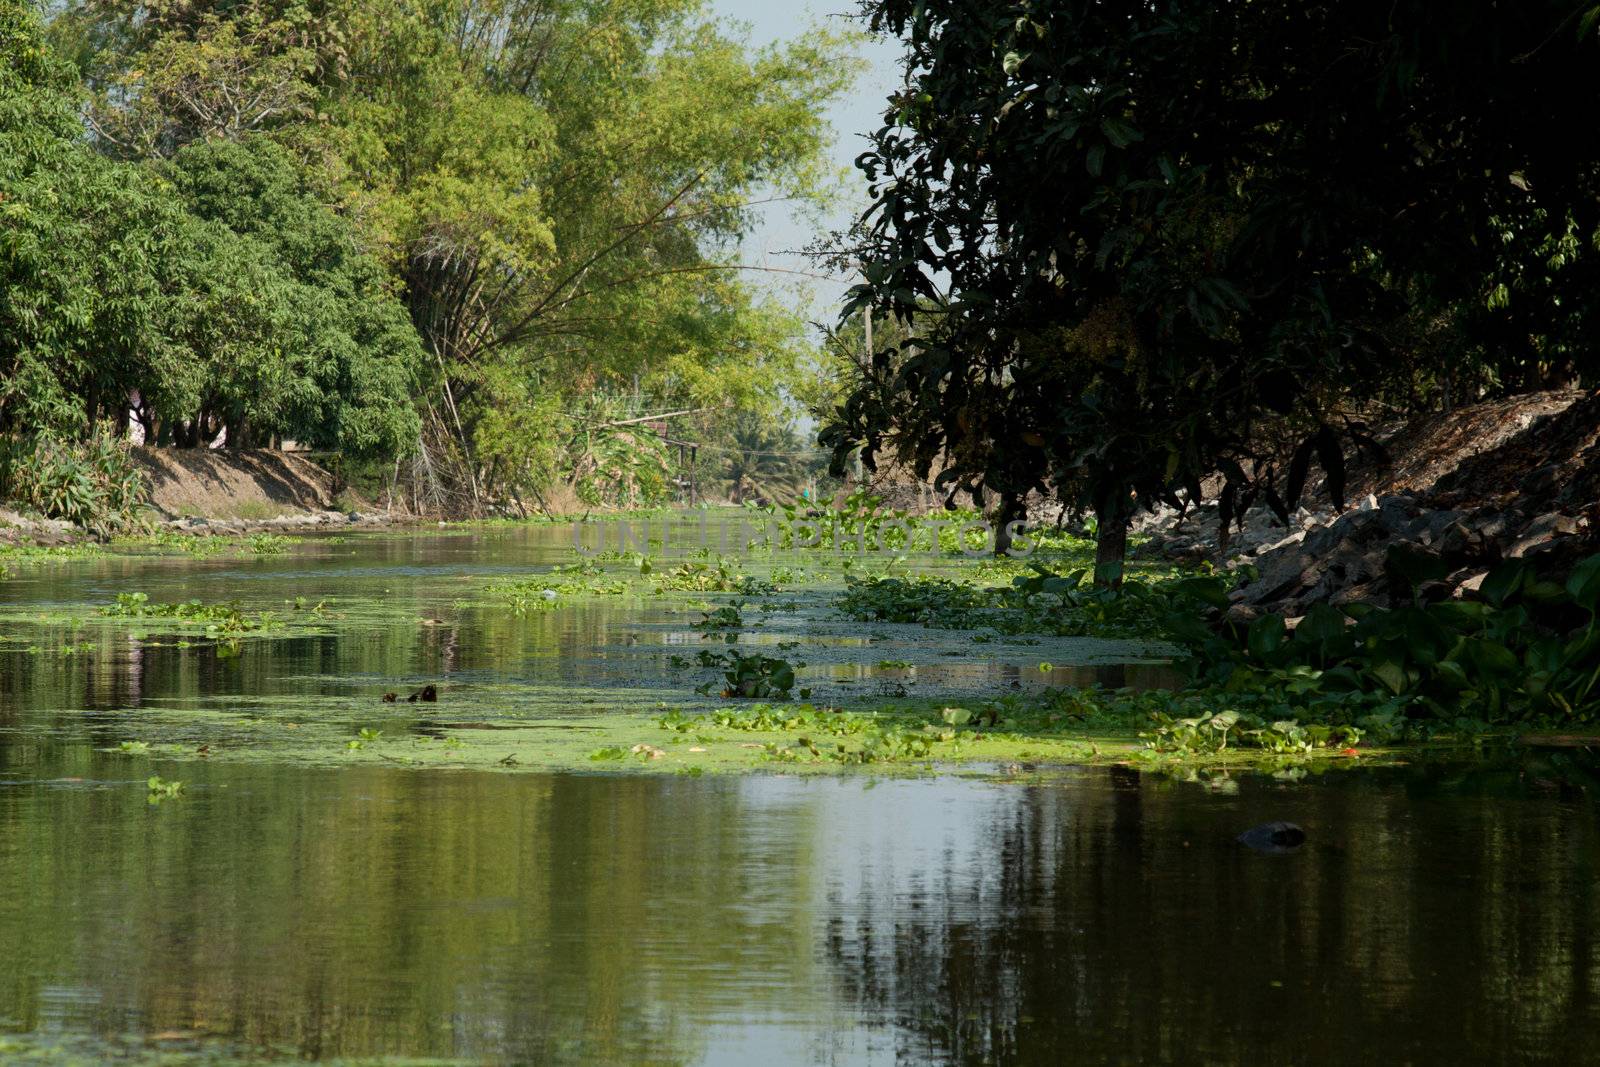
{"x": 92, "y": 483}
{"x": 1522, "y": 649}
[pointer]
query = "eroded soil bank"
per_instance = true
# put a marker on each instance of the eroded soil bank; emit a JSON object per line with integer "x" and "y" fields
{"x": 1457, "y": 493}
{"x": 220, "y": 491}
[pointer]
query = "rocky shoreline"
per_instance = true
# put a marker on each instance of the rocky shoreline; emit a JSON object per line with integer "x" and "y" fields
{"x": 1378, "y": 552}
{"x": 16, "y": 528}
{"x": 1527, "y": 494}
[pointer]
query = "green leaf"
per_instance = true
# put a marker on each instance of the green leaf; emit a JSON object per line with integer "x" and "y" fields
{"x": 1504, "y": 581}
{"x": 1414, "y": 565}
{"x": 1321, "y": 625}
{"x": 1492, "y": 659}
{"x": 1453, "y": 674}
{"x": 1266, "y": 636}
{"x": 1119, "y": 132}
{"x": 1584, "y": 584}
{"x": 1095, "y": 160}
{"x": 1210, "y": 591}
{"x": 1390, "y": 674}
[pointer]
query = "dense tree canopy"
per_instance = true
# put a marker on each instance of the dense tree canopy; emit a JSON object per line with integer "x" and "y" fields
{"x": 395, "y": 229}
{"x": 212, "y": 292}
{"x": 78, "y": 294}
{"x": 557, "y": 188}
{"x": 337, "y": 359}
{"x": 1130, "y": 243}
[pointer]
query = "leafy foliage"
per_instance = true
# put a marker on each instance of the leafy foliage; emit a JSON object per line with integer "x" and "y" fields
{"x": 697, "y": 577}
{"x": 1211, "y": 732}
{"x": 763, "y": 463}
{"x": 555, "y": 187}
{"x": 218, "y": 620}
{"x": 1130, "y": 247}
{"x": 1042, "y": 602}
{"x": 1526, "y": 650}
{"x": 362, "y": 227}
{"x": 583, "y": 578}
{"x": 212, "y": 292}
{"x": 751, "y": 676}
{"x": 335, "y": 359}
{"x": 92, "y": 484}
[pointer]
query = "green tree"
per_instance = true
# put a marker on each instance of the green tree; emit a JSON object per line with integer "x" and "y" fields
{"x": 763, "y": 462}
{"x": 558, "y": 187}
{"x": 1126, "y": 242}
{"x": 84, "y": 244}
{"x": 214, "y": 290}
{"x": 335, "y": 357}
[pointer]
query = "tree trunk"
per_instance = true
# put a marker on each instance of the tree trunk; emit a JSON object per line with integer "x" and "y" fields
{"x": 1010, "y": 509}
{"x": 1111, "y": 541}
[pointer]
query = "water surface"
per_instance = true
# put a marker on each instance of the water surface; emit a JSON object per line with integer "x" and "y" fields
{"x": 1435, "y": 913}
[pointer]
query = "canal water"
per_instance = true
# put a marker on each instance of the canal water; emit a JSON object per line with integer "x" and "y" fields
{"x": 288, "y": 911}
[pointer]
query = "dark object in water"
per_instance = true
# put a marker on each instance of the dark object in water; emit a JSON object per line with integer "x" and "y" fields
{"x": 1274, "y": 838}
{"x": 427, "y": 694}
{"x": 390, "y": 698}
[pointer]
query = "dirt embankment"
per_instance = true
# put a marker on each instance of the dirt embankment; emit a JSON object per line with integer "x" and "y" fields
{"x": 1459, "y": 492}
{"x": 217, "y": 488}
{"x": 214, "y": 483}
{"x": 218, "y": 491}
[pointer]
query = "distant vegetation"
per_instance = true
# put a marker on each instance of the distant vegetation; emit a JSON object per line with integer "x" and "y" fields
{"x": 484, "y": 250}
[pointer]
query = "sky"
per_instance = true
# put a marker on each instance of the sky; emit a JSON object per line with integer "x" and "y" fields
{"x": 780, "y": 233}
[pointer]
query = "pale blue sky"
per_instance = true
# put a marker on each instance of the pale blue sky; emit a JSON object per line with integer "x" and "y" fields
{"x": 774, "y": 241}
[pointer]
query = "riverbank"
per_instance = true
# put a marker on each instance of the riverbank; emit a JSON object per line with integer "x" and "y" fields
{"x": 1456, "y": 493}
{"x": 209, "y": 492}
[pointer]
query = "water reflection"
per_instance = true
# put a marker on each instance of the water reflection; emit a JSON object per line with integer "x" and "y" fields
{"x": 591, "y": 919}
{"x": 409, "y": 609}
